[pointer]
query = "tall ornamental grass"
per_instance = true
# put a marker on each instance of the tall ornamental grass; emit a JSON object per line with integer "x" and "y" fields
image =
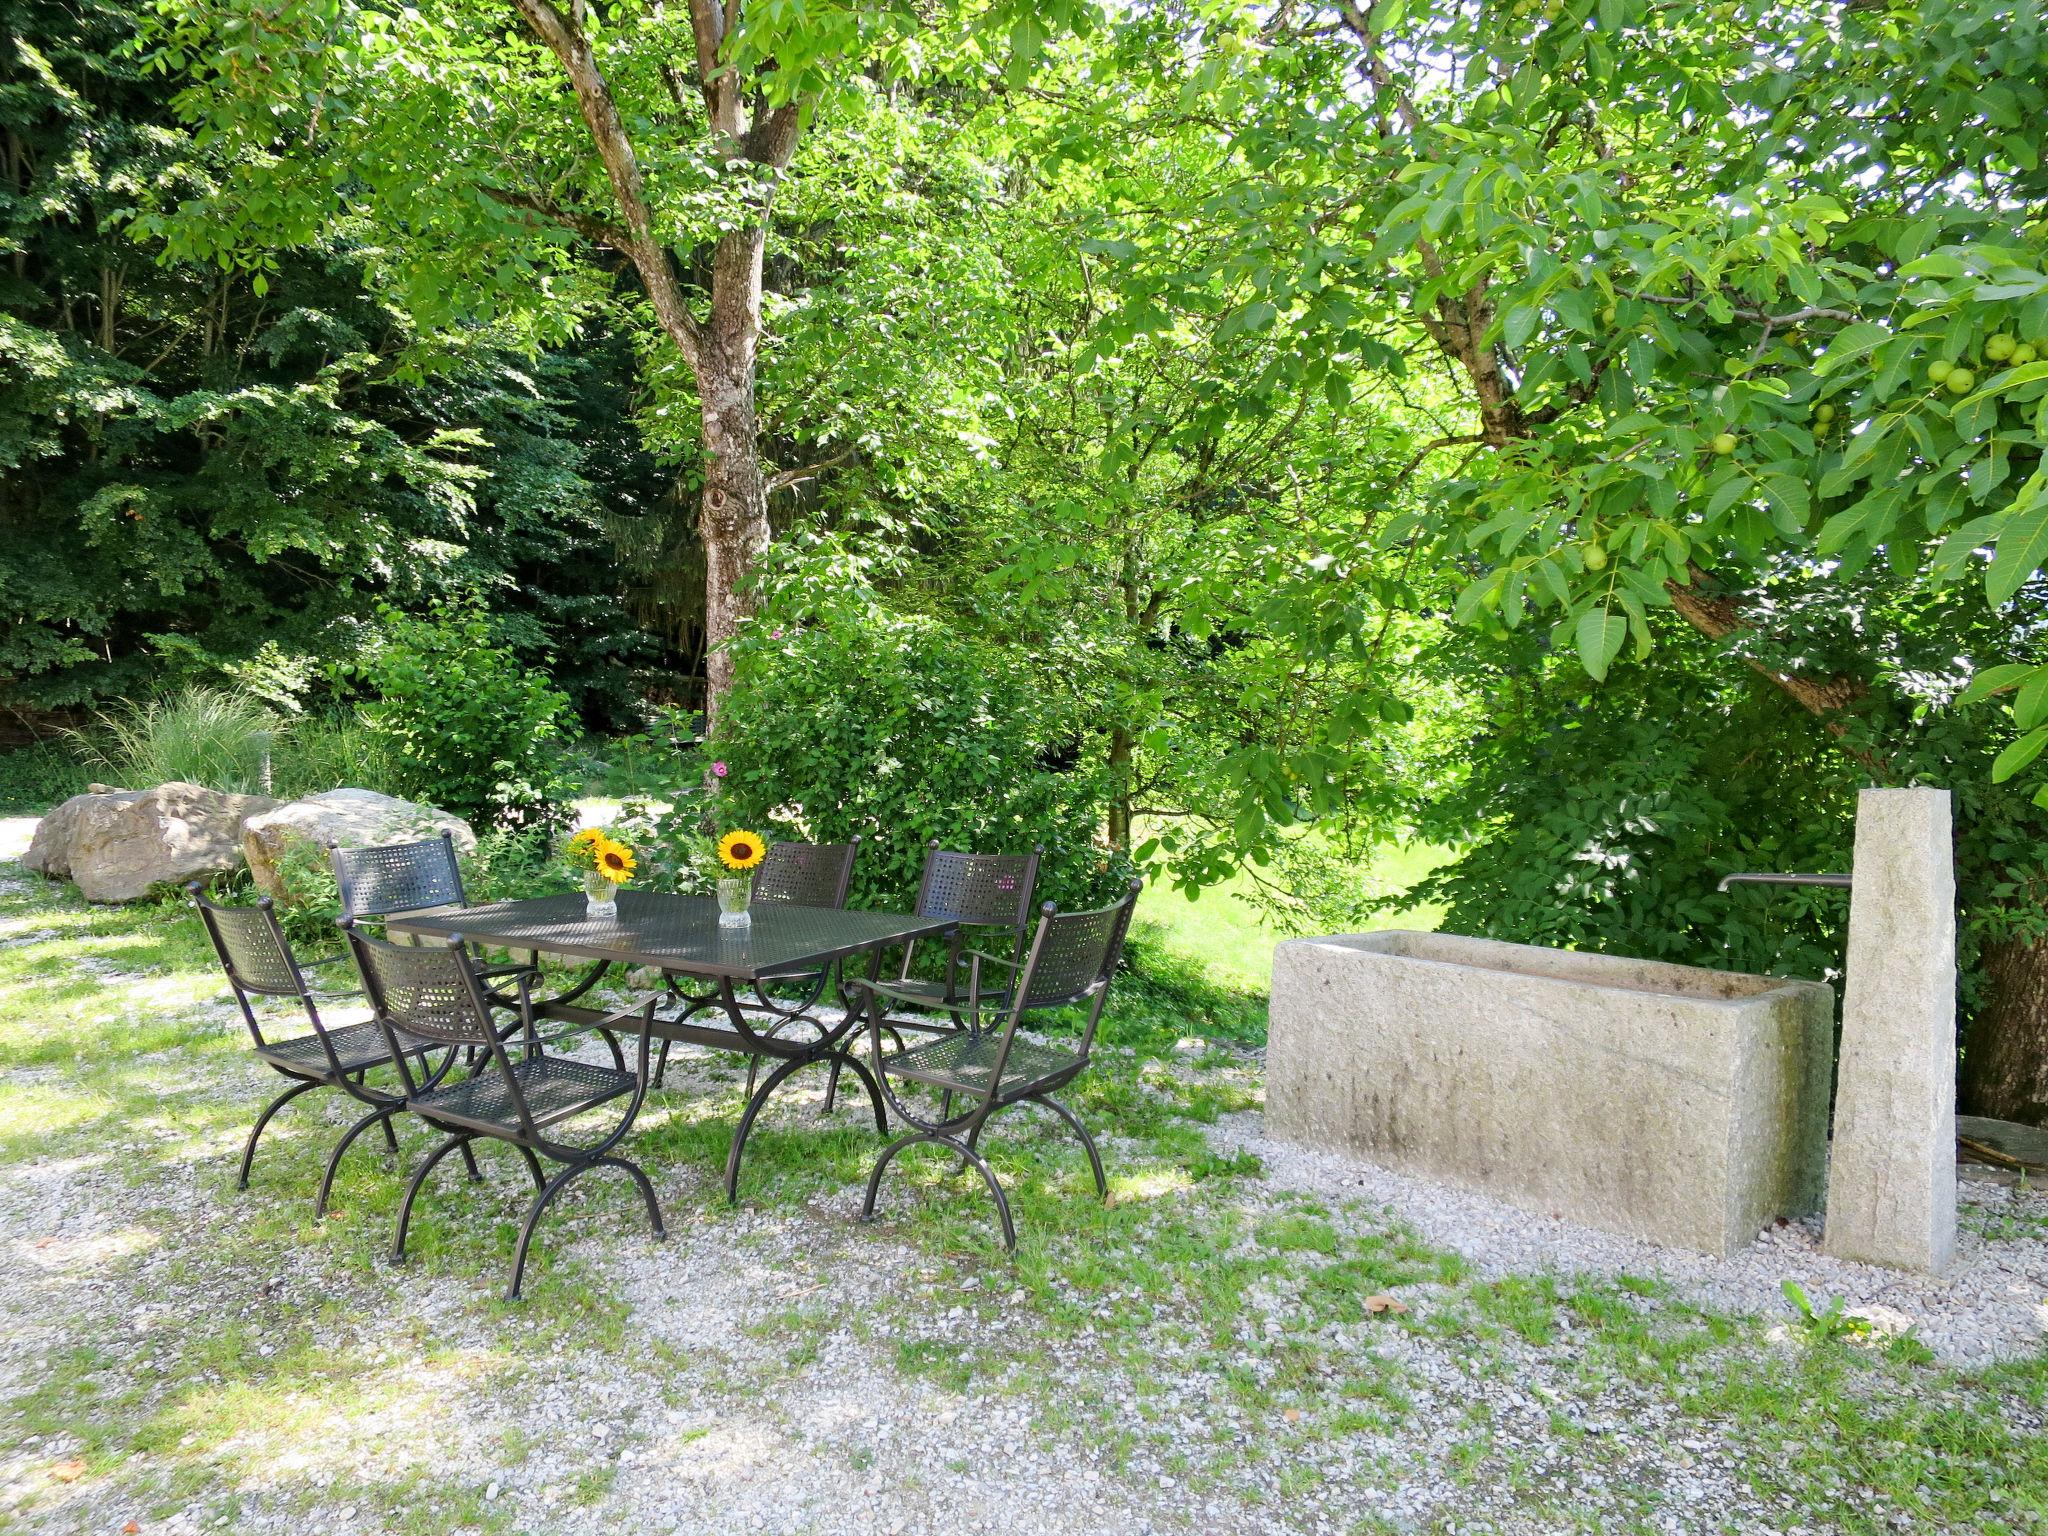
{"x": 197, "y": 735}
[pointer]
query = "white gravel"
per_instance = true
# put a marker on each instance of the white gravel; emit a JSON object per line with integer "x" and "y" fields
{"x": 1993, "y": 1302}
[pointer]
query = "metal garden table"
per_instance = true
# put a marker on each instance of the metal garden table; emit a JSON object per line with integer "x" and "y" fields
{"x": 681, "y": 937}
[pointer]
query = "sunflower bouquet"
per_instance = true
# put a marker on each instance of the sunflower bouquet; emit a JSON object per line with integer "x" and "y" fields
{"x": 605, "y": 863}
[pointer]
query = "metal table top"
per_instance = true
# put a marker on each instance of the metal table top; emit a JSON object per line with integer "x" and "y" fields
{"x": 677, "y": 933}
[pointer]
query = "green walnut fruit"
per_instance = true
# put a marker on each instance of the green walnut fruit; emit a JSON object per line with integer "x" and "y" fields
{"x": 1960, "y": 381}
{"x": 1823, "y": 413}
{"x": 1596, "y": 558}
{"x": 1724, "y": 443}
{"x": 2000, "y": 347}
{"x": 1939, "y": 370}
{"x": 2023, "y": 353}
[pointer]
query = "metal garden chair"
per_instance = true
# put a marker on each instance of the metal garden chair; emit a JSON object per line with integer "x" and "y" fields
{"x": 399, "y": 878}
{"x": 1071, "y": 959}
{"x": 259, "y": 962}
{"x": 524, "y": 1097}
{"x": 987, "y": 891}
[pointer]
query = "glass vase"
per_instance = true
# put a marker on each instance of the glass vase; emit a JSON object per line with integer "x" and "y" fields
{"x": 733, "y": 895}
{"x": 600, "y": 898}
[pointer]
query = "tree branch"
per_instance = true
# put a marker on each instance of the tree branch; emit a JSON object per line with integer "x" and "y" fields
{"x": 789, "y": 477}
{"x": 566, "y": 39}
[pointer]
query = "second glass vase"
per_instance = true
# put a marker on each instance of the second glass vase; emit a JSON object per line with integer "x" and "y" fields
{"x": 733, "y": 895}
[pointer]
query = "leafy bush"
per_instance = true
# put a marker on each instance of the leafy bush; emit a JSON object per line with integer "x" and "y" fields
{"x": 464, "y": 723}
{"x": 901, "y": 730}
{"x": 329, "y": 751}
{"x": 198, "y": 735}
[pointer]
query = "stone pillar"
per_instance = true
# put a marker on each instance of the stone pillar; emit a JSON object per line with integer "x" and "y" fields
{"x": 1892, "y": 1169}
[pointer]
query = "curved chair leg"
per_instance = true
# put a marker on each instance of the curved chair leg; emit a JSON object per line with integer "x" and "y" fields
{"x": 903, "y": 1143}
{"x": 661, "y": 1064}
{"x": 476, "y": 1174}
{"x": 249, "y": 1149}
{"x": 1080, "y": 1130}
{"x": 988, "y": 1175}
{"x": 412, "y": 1191}
{"x": 900, "y": 1144}
{"x": 374, "y": 1117}
{"x": 390, "y": 1135}
{"x": 640, "y": 1179}
{"x": 612, "y": 1043}
{"x": 548, "y": 1192}
{"x": 540, "y": 1179}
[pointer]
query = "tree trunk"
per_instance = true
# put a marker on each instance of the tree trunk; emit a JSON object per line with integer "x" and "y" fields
{"x": 732, "y": 521}
{"x": 1121, "y": 747}
{"x": 2005, "y": 1053}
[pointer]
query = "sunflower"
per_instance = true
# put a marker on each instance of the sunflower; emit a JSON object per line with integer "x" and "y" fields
{"x": 741, "y": 850}
{"x": 614, "y": 861}
{"x": 586, "y": 840}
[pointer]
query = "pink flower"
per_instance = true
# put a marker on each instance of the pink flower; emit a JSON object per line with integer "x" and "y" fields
{"x": 718, "y": 770}
{"x": 775, "y": 634}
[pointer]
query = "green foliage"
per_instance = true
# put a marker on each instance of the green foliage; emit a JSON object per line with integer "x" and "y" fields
{"x": 330, "y": 750}
{"x": 36, "y": 777}
{"x": 197, "y": 463}
{"x": 463, "y": 722}
{"x": 1824, "y": 1324}
{"x": 899, "y": 730}
{"x": 207, "y": 736}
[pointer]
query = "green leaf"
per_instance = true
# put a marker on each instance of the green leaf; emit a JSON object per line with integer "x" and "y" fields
{"x": 2019, "y": 754}
{"x": 1600, "y": 635}
{"x": 1995, "y": 680}
{"x": 2022, "y": 546}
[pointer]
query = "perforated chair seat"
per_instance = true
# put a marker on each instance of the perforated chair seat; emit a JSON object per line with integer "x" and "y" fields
{"x": 931, "y": 995}
{"x": 556, "y": 1088}
{"x": 962, "y": 1062}
{"x": 356, "y": 1046}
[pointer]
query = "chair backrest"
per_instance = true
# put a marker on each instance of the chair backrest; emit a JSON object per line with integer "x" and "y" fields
{"x": 808, "y": 874}
{"x": 432, "y": 993}
{"x": 1074, "y": 954}
{"x": 987, "y": 888}
{"x": 251, "y": 946}
{"x": 398, "y": 877}
{"x": 257, "y": 958}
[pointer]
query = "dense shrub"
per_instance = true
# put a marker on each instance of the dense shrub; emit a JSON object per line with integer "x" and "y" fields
{"x": 329, "y": 751}
{"x": 463, "y": 723}
{"x": 34, "y": 778}
{"x": 901, "y": 730}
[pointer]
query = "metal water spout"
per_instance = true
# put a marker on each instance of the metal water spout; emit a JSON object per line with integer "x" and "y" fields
{"x": 1839, "y": 881}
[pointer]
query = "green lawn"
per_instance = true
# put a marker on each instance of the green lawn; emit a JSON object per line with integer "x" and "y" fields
{"x": 1233, "y": 940}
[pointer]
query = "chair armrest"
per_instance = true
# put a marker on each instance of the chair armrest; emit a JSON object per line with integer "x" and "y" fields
{"x": 895, "y": 994}
{"x": 982, "y": 954}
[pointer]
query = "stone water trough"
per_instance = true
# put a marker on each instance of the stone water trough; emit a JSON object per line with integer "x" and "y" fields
{"x": 1686, "y": 1106}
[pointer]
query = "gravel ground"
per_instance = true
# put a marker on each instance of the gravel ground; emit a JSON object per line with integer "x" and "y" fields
{"x": 784, "y": 1369}
{"x": 1992, "y": 1304}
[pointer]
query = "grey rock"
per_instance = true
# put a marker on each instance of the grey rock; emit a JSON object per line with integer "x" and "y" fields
{"x": 118, "y": 844}
{"x": 1682, "y": 1105}
{"x": 353, "y": 818}
{"x": 1892, "y": 1174}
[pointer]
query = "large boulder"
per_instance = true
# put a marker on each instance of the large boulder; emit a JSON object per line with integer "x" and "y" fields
{"x": 115, "y": 844}
{"x": 354, "y": 818}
